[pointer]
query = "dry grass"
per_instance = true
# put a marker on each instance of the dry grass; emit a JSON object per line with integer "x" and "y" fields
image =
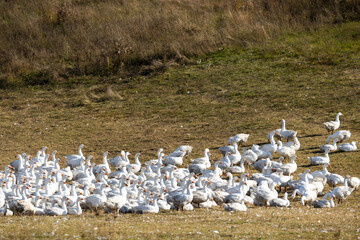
{"x": 201, "y": 104}
{"x": 42, "y": 42}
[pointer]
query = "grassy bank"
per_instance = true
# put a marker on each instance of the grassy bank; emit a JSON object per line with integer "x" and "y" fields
{"x": 43, "y": 42}
{"x": 305, "y": 78}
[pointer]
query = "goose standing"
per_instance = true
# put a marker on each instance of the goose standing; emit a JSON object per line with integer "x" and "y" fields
{"x": 295, "y": 144}
{"x": 342, "y": 192}
{"x": 272, "y": 147}
{"x": 331, "y": 126}
{"x": 286, "y": 152}
{"x": 74, "y": 160}
{"x": 239, "y": 138}
{"x": 288, "y": 168}
{"x": 286, "y": 134}
{"x": 95, "y": 201}
{"x": 182, "y": 199}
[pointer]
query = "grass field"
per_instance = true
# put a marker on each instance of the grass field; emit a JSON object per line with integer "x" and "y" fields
{"x": 305, "y": 78}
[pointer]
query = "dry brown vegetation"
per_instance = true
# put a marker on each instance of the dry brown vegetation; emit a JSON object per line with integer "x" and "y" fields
{"x": 46, "y": 41}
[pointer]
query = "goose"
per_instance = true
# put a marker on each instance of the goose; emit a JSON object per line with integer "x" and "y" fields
{"x": 201, "y": 194}
{"x": 225, "y": 161}
{"x": 272, "y": 147}
{"x": 239, "y": 138}
{"x": 105, "y": 165}
{"x": 295, "y": 144}
{"x": 119, "y": 161}
{"x": 22, "y": 205}
{"x": 115, "y": 202}
{"x": 183, "y": 198}
{"x": 171, "y": 160}
{"x": 288, "y": 168}
{"x": 227, "y": 148}
{"x": 147, "y": 208}
{"x": 275, "y": 133}
{"x": 264, "y": 195}
{"x": 341, "y": 135}
{"x": 280, "y": 202}
{"x": 57, "y": 211}
{"x": 260, "y": 152}
{"x": 330, "y": 147}
{"x": 235, "y": 206}
{"x": 134, "y": 168}
{"x": 182, "y": 151}
{"x": 353, "y": 182}
{"x": 334, "y": 179}
{"x": 74, "y": 160}
{"x": 342, "y": 192}
{"x": 331, "y": 126}
{"x": 286, "y": 134}
{"x": 95, "y": 201}
{"x": 260, "y": 164}
{"x": 249, "y": 155}
{"x": 18, "y": 164}
{"x": 324, "y": 203}
{"x": 307, "y": 196}
{"x": 77, "y": 209}
{"x": 204, "y": 160}
{"x": 347, "y": 147}
{"x": 237, "y": 169}
{"x": 322, "y": 173}
{"x": 286, "y": 152}
{"x": 236, "y": 157}
{"x": 319, "y": 160}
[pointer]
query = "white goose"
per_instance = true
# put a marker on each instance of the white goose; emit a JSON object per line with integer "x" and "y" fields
{"x": 341, "y": 135}
{"x": 95, "y": 201}
{"x": 280, "y": 202}
{"x": 74, "y": 160}
{"x": 235, "y": 206}
{"x": 272, "y": 147}
{"x": 319, "y": 160}
{"x": 295, "y": 144}
{"x": 239, "y": 138}
{"x": 182, "y": 199}
{"x": 77, "y": 209}
{"x": 204, "y": 160}
{"x": 286, "y": 134}
{"x": 260, "y": 152}
{"x": 342, "y": 192}
{"x": 331, "y": 126}
{"x": 57, "y": 211}
{"x": 286, "y": 152}
{"x": 105, "y": 165}
{"x": 182, "y": 151}
{"x": 288, "y": 168}
{"x": 347, "y": 147}
{"x": 330, "y": 147}
{"x": 324, "y": 203}
{"x": 134, "y": 168}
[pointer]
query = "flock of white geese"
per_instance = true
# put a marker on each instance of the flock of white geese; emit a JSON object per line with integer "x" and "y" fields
{"x": 38, "y": 186}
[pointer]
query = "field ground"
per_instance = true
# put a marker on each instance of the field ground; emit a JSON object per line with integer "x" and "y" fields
{"x": 305, "y": 78}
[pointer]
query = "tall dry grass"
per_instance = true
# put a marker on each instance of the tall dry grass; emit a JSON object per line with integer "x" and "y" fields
{"x": 57, "y": 39}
